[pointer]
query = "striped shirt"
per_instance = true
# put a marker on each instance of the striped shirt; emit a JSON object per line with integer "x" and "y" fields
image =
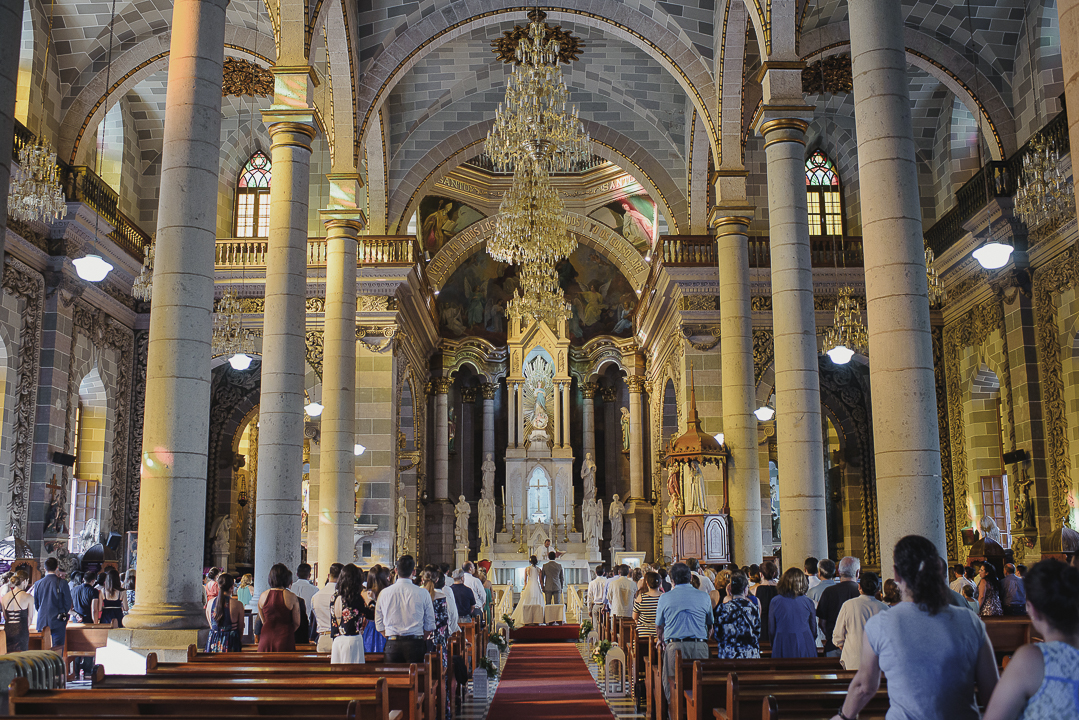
{"x": 645, "y": 607}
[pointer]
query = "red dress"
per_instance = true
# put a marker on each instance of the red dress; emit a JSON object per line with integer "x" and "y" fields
{"x": 277, "y": 634}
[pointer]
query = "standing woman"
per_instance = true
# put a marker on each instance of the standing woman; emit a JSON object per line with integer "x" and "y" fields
{"x": 792, "y": 619}
{"x": 348, "y": 609}
{"x": 210, "y": 586}
{"x": 738, "y": 621}
{"x": 378, "y": 579}
{"x": 644, "y": 606}
{"x": 934, "y": 654}
{"x": 18, "y": 606}
{"x": 225, "y": 614}
{"x": 129, "y": 588}
{"x": 488, "y": 591}
{"x": 441, "y": 636}
{"x": 279, "y": 610}
{"x": 113, "y": 599}
{"x": 245, "y": 589}
{"x": 989, "y": 594}
{"x": 765, "y": 590}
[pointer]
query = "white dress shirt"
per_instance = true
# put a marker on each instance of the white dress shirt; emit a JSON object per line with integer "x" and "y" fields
{"x": 850, "y": 628}
{"x": 476, "y": 586}
{"x": 404, "y": 609}
{"x": 597, "y": 591}
{"x": 451, "y": 609}
{"x": 706, "y": 584}
{"x": 305, "y": 589}
{"x": 320, "y": 605}
{"x": 620, "y": 594}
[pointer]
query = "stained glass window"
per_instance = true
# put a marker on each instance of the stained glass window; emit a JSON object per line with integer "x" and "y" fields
{"x": 823, "y": 196}
{"x": 253, "y": 197}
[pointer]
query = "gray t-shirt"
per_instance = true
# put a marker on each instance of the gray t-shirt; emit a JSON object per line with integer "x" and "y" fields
{"x": 928, "y": 660}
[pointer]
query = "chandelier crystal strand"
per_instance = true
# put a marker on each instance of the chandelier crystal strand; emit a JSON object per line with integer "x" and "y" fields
{"x": 143, "y": 286}
{"x": 848, "y": 335}
{"x": 35, "y": 193}
{"x": 533, "y": 122}
{"x": 229, "y": 336}
{"x": 936, "y": 285}
{"x": 1046, "y": 193}
{"x": 531, "y": 225}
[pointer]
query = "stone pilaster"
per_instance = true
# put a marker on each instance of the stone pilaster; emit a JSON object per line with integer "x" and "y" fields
{"x": 511, "y": 393}
{"x": 798, "y": 421}
{"x": 907, "y": 443}
{"x": 488, "y": 391}
{"x": 172, "y": 498}
{"x": 337, "y": 459}
{"x": 442, "y": 439}
{"x": 1068, "y": 12}
{"x": 588, "y": 417}
{"x": 739, "y": 398}
{"x": 10, "y": 46}
{"x": 281, "y": 418}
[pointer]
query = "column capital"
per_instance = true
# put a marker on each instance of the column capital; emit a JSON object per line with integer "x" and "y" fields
{"x": 468, "y": 395}
{"x": 732, "y": 221}
{"x": 290, "y": 128}
{"x": 608, "y": 394}
{"x": 339, "y": 224}
{"x": 635, "y": 383}
{"x": 441, "y": 385}
{"x": 588, "y": 390}
{"x": 783, "y": 129}
{"x": 489, "y": 390}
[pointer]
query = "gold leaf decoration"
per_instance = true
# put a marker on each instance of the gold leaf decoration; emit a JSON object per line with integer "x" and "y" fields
{"x": 243, "y": 77}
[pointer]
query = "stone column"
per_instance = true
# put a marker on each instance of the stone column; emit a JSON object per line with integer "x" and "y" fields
{"x": 906, "y": 444}
{"x": 636, "y": 441}
{"x": 588, "y": 417}
{"x": 172, "y": 495}
{"x": 739, "y": 423}
{"x": 466, "y": 461}
{"x": 554, "y": 406}
{"x": 488, "y": 390}
{"x": 337, "y": 460}
{"x": 520, "y": 426}
{"x": 511, "y": 393}
{"x": 281, "y": 417}
{"x": 1068, "y": 12}
{"x": 566, "y": 440}
{"x": 10, "y": 45}
{"x": 798, "y": 421}
{"x": 442, "y": 437}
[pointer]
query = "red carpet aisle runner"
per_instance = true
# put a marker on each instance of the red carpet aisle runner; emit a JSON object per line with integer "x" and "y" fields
{"x": 547, "y": 681}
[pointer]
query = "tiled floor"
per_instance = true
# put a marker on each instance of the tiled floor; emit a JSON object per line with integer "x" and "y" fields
{"x": 473, "y": 708}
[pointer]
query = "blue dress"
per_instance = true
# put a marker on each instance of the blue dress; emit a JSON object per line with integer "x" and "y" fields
{"x": 52, "y": 600}
{"x": 792, "y": 625}
{"x": 224, "y": 637}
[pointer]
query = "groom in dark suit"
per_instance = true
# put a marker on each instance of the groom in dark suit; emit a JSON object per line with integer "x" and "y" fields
{"x": 553, "y": 581}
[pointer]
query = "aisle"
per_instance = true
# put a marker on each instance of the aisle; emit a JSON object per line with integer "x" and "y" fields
{"x": 547, "y": 681}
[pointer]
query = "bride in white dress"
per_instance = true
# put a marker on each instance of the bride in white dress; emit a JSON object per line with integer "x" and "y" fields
{"x": 529, "y": 610}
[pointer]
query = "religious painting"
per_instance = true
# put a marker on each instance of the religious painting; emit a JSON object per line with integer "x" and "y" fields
{"x": 440, "y": 219}
{"x": 632, "y": 217}
{"x": 473, "y": 301}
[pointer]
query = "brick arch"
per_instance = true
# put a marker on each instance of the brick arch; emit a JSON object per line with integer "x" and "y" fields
{"x": 607, "y": 143}
{"x": 342, "y": 70}
{"x": 953, "y": 70}
{"x": 668, "y": 48}
{"x": 589, "y": 232}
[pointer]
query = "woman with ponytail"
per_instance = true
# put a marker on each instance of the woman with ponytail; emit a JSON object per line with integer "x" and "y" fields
{"x": 225, "y": 614}
{"x": 936, "y": 655}
{"x": 1042, "y": 680}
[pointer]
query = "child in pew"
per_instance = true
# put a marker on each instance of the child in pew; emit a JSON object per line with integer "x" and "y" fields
{"x": 1042, "y": 679}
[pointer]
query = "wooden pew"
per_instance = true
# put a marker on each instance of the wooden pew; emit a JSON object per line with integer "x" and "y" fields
{"x": 403, "y": 683}
{"x": 739, "y": 694}
{"x": 815, "y": 705}
{"x": 1008, "y": 634}
{"x": 370, "y": 703}
{"x": 83, "y": 640}
{"x": 253, "y": 656}
{"x": 431, "y": 673}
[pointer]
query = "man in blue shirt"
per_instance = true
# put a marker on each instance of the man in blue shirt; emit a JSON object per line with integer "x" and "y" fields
{"x": 683, "y": 622}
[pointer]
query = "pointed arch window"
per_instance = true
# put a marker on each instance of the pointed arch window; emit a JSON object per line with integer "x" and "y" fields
{"x": 253, "y": 197}
{"x": 824, "y": 196}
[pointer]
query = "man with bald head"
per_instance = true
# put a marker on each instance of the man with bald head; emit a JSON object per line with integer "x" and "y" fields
{"x": 832, "y": 599}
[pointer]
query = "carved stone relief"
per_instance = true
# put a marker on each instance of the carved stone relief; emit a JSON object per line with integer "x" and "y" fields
{"x": 138, "y": 412}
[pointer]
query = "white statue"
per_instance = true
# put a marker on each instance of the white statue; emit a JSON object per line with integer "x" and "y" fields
{"x": 462, "y": 511}
{"x": 221, "y": 534}
{"x": 89, "y": 535}
{"x": 588, "y": 474}
{"x": 488, "y": 469}
{"x": 695, "y": 494}
{"x": 615, "y": 513}
{"x": 593, "y": 521}
{"x": 402, "y": 526}
{"x": 487, "y": 503}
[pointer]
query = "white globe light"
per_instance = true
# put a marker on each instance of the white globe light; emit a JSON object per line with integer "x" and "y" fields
{"x": 719, "y": 438}
{"x": 240, "y": 361}
{"x": 92, "y": 267}
{"x": 313, "y": 409}
{"x": 841, "y": 354}
{"x": 764, "y": 413}
{"x": 993, "y": 255}
{"x": 358, "y": 450}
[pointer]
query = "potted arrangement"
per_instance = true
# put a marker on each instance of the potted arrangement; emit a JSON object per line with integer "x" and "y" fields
{"x": 599, "y": 654}
{"x": 484, "y": 669}
{"x": 586, "y": 627}
{"x": 499, "y": 641}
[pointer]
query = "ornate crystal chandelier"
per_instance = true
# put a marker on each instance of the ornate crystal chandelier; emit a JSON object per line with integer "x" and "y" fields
{"x": 534, "y": 122}
{"x": 143, "y": 286}
{"x": 847, "y": 335}
{"x": 531, "y": 225}
{"x": 229, "y": 336}
{"x": 936, "y": 285}
{"x": 35, "y": 187}
{"x": 1045, "y": 193}
{"x": 548, "y": 306}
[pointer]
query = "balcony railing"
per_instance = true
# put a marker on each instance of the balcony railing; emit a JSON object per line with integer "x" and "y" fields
{"x": 400, "y": 250}
{"x": 82, "y": 184}
{"x": 700, "y": 250}
{"x": 1003, "y": 181}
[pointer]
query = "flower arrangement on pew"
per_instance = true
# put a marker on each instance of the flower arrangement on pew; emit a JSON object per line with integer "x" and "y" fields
{"x": 586, "y": 627}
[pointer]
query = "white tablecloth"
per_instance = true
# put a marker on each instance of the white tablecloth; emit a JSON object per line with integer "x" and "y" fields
{"x": 554, "y": 613}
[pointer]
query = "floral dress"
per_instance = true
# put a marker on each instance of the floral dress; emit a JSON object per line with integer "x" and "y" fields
{"x": 223, "y": 636}
{"x": 441, "y": 639}
{"x": 738, "y": 629}
{"x": 347, "y": 633}
{"x": 990, "y": 605}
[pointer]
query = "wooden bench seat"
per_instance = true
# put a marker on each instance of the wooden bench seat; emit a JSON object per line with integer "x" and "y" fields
{"x": 368, "y": 703}
{"x": 815, "y": 705}
{"x": 739, "y": 695}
